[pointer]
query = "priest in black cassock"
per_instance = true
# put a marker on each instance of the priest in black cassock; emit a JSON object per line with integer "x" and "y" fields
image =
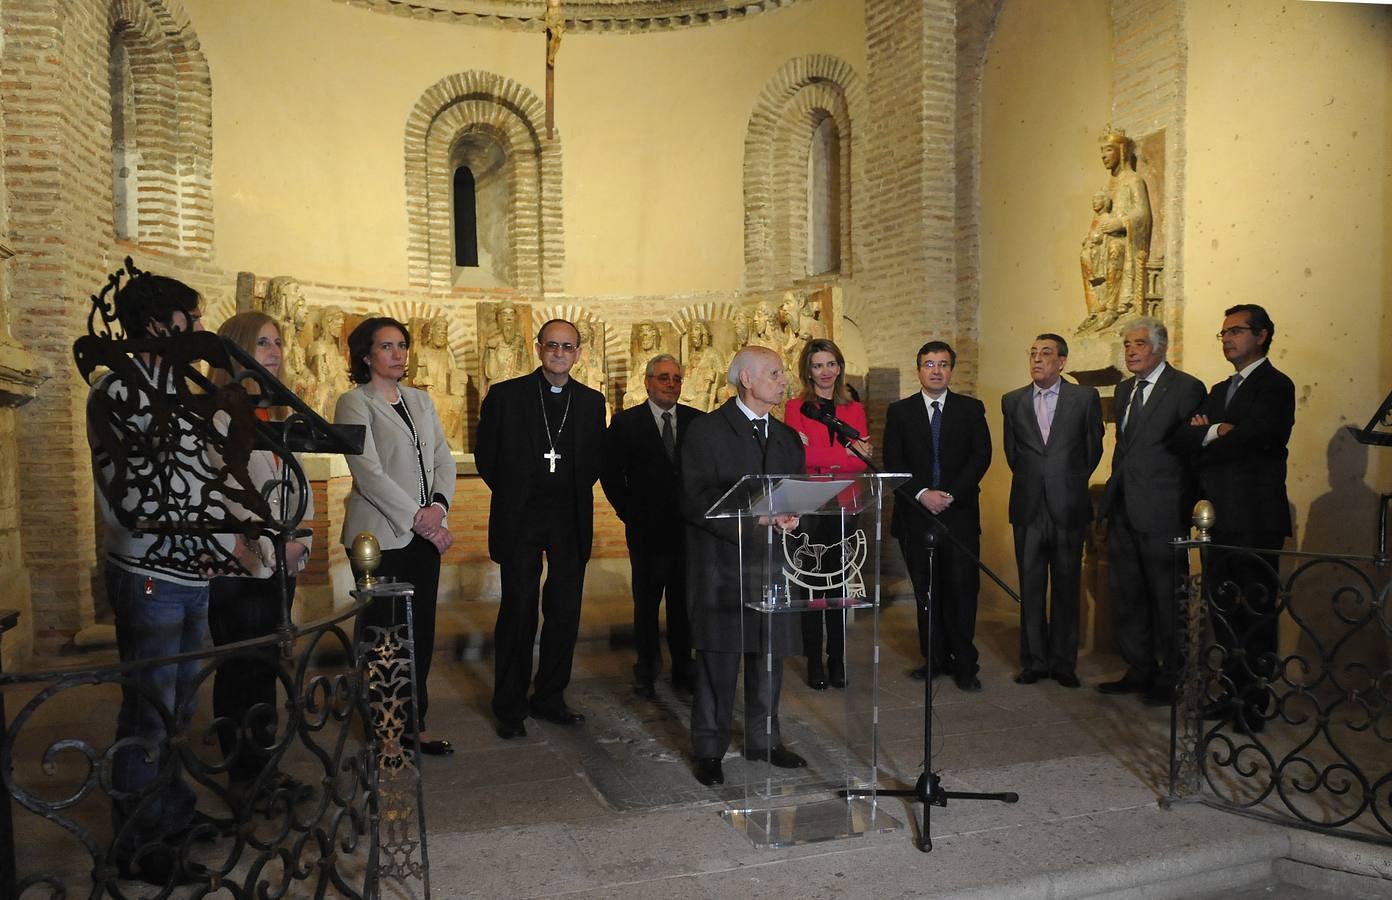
{"x": 541, "y": 438}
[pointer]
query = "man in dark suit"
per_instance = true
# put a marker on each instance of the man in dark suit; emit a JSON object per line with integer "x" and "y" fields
{"x": 1147, "y": 503}
{"x": 1238, "y": 441}
{"x": 1053, "y": 442}
{"x": 738, "y": 439}
{"x": 641, "y": 477}
{"x": 539, "y": 447}
{"x": 941, "y": 438}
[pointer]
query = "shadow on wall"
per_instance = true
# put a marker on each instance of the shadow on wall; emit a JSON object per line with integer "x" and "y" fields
{"x": 1339, "y": 613}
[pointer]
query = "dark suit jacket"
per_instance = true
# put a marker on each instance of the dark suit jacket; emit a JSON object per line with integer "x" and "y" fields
{"x": 963, "y": 459}
{"x": 1151, "y": 477}
{"x": 718, "y": 450}
{"x": 511, "y": 439}
{"x": 1243, "y": 473}
{"x": 1053, "y": 475}
{"x": 642, "y": 485}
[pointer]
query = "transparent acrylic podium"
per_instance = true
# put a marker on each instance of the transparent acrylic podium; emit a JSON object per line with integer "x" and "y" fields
{"x": 829, "y": 561}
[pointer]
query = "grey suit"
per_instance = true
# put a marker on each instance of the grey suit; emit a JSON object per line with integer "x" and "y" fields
{"x": 1050, "y": 510}
{"x": 1147, "y": 503}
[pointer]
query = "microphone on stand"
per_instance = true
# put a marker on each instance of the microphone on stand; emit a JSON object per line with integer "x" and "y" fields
{"x": 847, "y": 431}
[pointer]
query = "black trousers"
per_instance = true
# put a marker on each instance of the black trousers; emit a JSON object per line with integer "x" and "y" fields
{"x": 1050, "y": 560}
{"x": 713, "y": 703}
{"x": 824, "y": 530}
{"x": 244, "y": 686}
{"x": 552, "y": 536}
{"x": 1142, "y": 580}
{"x": 656, "y": 572}
{"x": 1243, "y": 606}
{"x": 418, "y": 563}
{"x": 956, "y": 582}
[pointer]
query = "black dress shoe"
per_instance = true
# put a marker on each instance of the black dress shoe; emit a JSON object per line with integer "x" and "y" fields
{"x": 682, "y": 684}
{"x": 779, "y": 757}
{"x": 1067, "y": 679}
{"x": 437, "y": 747}
{"x": 969, "y": 683}
{"x": 1124, "y": 685}
{"x": 560, "y": 716}
{"x": 508, "y": 729}
{"x": 158, "y": 865}
{"x": 919, "y": 674}
{"x": 836, "y": 673}
{"x": 708, "y": 771}
{"x": 646, "y": 690}
{"x": 816, "y": 681}
{"x": 1029, "y": 676}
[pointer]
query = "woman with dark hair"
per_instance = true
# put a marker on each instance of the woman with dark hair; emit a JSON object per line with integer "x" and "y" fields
{"x": 402, "y": 485}
{"x": 247, "y": 607}
{"x": 822, "y": 371}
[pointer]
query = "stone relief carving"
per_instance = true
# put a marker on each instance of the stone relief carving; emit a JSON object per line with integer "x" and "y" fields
{"x": 704, "y": 367}
{"x": 648, "y": 339}
{"x": 591, "y": 367}
{"x": 328, "y": 360}
{"x": 505, "y": 345}
{"x": 1117, "y": 247}
{"x": 284, "y": 301}
{"x": 434, "y": 369}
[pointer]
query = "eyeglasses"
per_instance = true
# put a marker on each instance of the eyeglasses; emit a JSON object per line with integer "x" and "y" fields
{"x": 1233, "y": 331}
{"x": 563, "y": 346}
{"x": 666, "y": 378}
{"x": 930, "y": 364}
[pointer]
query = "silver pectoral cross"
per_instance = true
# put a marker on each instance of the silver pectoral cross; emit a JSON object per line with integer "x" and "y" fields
{"x": 551, "y": 455}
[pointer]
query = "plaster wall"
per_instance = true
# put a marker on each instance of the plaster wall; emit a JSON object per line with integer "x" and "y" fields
{"x": 1045, "y": 97}
{"x": 1290, "y": 206}
{"x": 310, "y": 99}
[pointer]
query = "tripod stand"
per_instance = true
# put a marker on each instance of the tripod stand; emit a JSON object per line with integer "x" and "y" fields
{"x": 928, "y": 790}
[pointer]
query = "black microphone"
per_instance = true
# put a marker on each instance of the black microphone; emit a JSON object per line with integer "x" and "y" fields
{"x": 847, "y": 432}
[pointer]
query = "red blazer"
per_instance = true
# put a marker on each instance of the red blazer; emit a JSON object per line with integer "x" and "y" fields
{"x": 822, "y": 455}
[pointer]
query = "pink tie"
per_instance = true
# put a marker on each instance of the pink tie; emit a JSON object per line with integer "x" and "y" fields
{"x": 1041, "y": 412}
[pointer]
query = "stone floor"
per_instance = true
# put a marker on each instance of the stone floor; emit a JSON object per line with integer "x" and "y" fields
{"x": 610, "y": 808}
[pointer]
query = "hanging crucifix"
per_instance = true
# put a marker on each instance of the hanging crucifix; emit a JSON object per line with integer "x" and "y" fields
{"x": 555, "y": 27}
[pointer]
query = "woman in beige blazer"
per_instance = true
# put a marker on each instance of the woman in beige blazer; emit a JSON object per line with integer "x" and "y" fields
{"x": 402, "y": 485}
{"x": 247, "y": 607}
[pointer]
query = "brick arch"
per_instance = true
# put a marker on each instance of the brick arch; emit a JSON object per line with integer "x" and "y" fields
{"x": 512, "y": 115}
{"x": 789, "y": 108}
{"x": 173, "y": 122}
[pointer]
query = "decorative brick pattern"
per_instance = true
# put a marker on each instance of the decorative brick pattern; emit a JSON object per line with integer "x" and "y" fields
{"x": 514, "y": 117}
{"x": 595, "y": 15}
{"x": 776, "y": 147}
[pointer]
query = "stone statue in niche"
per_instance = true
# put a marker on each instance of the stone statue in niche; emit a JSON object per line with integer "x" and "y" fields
{"x": 285, "y": 302}
{"x": 328, "y": 361}
{"x": 434, "y": 369}
{"x": 704, "y": 368}
{"x": 507, "y": 348}
{"x": 647, "y": 342}
{"x": 765, "y": 332}
{"x": 743, "y": 328}
{"x": 589, "y": 368}
{"x": 1121, "y": 229}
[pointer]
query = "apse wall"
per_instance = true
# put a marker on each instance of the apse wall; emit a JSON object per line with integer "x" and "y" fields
{"x": 310, "y": 101}
{"x": 1285, "y": 166}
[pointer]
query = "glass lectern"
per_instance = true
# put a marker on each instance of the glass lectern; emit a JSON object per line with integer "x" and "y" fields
{"x": 830, "y": 560}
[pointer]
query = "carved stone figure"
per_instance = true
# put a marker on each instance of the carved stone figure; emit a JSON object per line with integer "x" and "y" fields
{"x": 434, "y": 369}
{"x": 328, "y": 362}
{"x": 285, "y": 302}
{"x": 705, "y": 368}
{"x": 507, "y": 351}
{"x": 765, "y": 332}
{"x": 591, "y": 367}
{"x": 646, "y": 343}
{"x": 1122, "y": 226}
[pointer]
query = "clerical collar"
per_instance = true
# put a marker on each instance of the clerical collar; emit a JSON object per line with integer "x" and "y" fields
{"x": 548, "y": 386}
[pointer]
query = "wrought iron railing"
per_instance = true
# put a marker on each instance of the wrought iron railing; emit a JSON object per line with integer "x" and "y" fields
{"x": 1285, "y": 706}
{"x": 316, "y": 822}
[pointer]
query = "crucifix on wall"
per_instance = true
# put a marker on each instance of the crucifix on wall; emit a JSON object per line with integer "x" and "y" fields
{"x": 555, "y": 27}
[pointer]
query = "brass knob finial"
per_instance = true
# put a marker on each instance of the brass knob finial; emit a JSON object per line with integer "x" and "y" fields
{"x": 1204, "y": 517}
{"x": 365, "y": 555}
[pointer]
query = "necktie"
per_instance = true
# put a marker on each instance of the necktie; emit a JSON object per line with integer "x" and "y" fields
{"x": 1041, "y": 412}
{"x": 935, "y": 424}
{"x": 1133, "y": 409}
{"x": 669, "y": 436}
{"x": 1233, "y": 384}
{"x": 759, "y": 434}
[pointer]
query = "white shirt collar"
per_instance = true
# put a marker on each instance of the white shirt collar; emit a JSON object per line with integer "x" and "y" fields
{"x": 929, "y": 399}
{"x": 748, "y": 413}
{"x": 1154, "y": 376}
{"x": 1247, "y": 371}
{"x": 657, "y": 412}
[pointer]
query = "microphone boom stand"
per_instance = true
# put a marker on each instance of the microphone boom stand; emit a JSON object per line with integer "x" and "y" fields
{"x": 928, "y": 790}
